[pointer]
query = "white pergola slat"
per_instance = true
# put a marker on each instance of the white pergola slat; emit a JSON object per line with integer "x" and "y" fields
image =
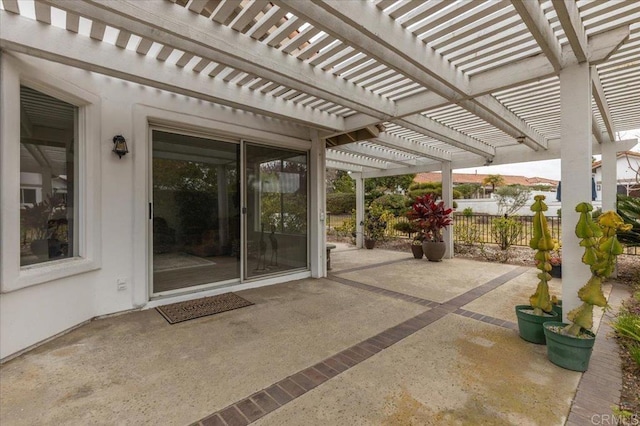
{"x": 448, "y": 78}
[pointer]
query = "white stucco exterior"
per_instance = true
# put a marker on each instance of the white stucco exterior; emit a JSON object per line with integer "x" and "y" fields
{"x": 627, "y": 172}
{"x": 43, "y": 300}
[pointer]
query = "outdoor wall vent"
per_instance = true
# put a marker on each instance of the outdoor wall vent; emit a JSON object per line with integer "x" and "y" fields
{"x": 366, "y": 133}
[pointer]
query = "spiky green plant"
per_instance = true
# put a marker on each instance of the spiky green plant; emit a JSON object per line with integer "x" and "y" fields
{"x": 629, "y": 211}
{"x": 542, "y": 242}
{"x": 601, "y": 247}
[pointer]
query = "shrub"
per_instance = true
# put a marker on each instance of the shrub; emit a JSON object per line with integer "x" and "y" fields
{"x": 506, "y": 231}
{"x": 348, "y": 227}
{"x": 629, "y": 211}
{"x": 406, "y": 227}
{"x": 467, "y": 234}
{"x": 468, "y": 212}
{"x": 340, "y": 202}
{"x": 395, "y": 203}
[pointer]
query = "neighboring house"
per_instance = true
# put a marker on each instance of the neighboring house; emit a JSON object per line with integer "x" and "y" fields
{"x": 628, "y": 173}
{"x": 486, "y": 189}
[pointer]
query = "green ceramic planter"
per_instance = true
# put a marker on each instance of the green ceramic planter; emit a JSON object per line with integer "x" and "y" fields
{"x": 568, "y": 352}
{"x": 530, "y": 326}
{"x": 558, "y": 310}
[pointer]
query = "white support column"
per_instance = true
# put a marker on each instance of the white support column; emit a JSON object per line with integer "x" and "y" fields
{"x": 447, "y": 197}
{"x": 359, "y": 208}
{"x": 318, "y": 233}
{"x": 576, "y": 149}
{"x": 609, "y": 176}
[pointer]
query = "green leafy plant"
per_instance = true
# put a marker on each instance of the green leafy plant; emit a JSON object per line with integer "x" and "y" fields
{"x": 506, "y": 231}
{"x": 374, "y": 224}
{"x": 542, "y": 242}
{"x": 431, "y": 216}
{"x": 601, "y": 247}
{"x": 467, "y": 212}
{"x": 629, "y": 211}
{"x": 467, "y": 234}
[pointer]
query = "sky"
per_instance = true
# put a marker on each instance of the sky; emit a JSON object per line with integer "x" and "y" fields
{"x": 549, "y": 169}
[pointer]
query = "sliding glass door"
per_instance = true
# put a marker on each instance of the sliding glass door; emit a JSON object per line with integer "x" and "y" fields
{"x": 276, "y": 210}
{"x": 196, "y": 211}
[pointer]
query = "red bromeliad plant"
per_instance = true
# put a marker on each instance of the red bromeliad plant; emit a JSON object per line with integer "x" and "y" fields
{"x": 431, "y": 216}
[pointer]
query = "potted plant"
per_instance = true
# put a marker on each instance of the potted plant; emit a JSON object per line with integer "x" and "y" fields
{"x": 540, "y": 309}
{"x": 416, "y": 245}
{"x": 39, "y": 223}
{"x": 570, "y": 345}
{"x": 556, "y": 260}
{"x": 432, "y": 217}
{"x": 374, "y": 227}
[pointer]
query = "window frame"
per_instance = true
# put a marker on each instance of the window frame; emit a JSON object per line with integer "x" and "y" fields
{"x": 87, "y": 254}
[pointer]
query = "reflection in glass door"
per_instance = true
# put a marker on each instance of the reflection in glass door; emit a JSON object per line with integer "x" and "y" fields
{"x": 196, "y": 211}
{"x": 276, "y": 215}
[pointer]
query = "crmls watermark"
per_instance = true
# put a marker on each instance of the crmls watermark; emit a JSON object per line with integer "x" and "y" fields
{"x": 615, "y": 419}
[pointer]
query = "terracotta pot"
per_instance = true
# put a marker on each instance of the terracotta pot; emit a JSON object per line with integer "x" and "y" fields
{"x": 434, "y": 251}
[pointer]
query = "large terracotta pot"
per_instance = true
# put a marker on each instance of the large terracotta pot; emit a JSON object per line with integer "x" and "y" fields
{"x": 434, "y": 251}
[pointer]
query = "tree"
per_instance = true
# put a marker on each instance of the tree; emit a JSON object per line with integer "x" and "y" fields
{"x": 376, "y": 187}
{"x": 342, "y": 182}
{"x": 493, "y": 180}
{"x": 512, "y": 198}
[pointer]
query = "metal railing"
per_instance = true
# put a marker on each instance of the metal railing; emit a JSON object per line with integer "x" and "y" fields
{"x": 482, "y": 227}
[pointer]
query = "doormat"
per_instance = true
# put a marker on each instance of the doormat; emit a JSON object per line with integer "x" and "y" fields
{"x": 191, "y": 309}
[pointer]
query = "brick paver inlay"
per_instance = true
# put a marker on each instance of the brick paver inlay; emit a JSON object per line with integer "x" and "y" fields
{"x": 261, "y": 403}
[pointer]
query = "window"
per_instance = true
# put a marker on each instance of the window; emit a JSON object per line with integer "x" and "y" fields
{"x": 48, "y": 166}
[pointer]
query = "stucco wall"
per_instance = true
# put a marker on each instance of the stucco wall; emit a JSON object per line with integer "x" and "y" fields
{"x": 33, "y": 313}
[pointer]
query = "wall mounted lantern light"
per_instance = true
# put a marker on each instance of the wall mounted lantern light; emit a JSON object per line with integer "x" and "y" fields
{"x": 120, "y": 145}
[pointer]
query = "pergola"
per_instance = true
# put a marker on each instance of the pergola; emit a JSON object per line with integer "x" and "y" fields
{"x": 388, "y": 86}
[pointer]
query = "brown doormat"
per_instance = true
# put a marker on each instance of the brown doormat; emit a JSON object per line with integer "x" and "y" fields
{"x": 184, "y": 311}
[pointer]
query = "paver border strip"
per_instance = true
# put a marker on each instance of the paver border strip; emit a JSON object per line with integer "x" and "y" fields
{"x": 271, "y": 398}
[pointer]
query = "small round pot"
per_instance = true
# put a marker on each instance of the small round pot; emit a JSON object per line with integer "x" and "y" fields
{"x": 434, "y": 251}
{"x": 572, "y": 353}
{"x": 557, "y": 308}
{"x": 417, "y": 251}
{"x": 556, "y": 271}
{"x": 530, "y": 325}
{"x": 369, "y": 243}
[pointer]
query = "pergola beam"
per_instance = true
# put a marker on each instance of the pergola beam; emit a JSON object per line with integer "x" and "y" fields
{"x": 380, "y": 154}
{"x": 533, "y": 17}
{"x": 181, "y": 29}
{"x": 24, "y": 35}
{"x": 421, "y": 124}
{"x": 361, "y": 23}
{"x": 357, "y": 160}
{"x": 601, "y": 101}
{"x": 569, "y": 17}
{"x": 411, "y": 147}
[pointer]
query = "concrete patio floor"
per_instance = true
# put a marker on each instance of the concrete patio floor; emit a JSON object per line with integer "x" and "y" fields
{"x": 385, "y": 340}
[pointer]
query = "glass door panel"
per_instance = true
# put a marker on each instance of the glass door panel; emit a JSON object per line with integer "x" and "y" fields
{"x": 196, "y": 211}
{"x": 276, "y": 219}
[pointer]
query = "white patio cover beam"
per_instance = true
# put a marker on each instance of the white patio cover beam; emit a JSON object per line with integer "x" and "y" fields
{"x": 375, "y": 153}
{"x": 361, "y": 23}
{"x": 533, "y": 16}
{"x": 27, "y": 36}
{"x": 338, "y": 165}
{"x": 357, "y": 160}
{"x": 571, "y": 22}
{"x": 412, "y": 147}
{"x": 514, "y": 74}
{"x": 426, "y": 126}
{"x": 181, "y": 29}
{"x": 603, "y": 106}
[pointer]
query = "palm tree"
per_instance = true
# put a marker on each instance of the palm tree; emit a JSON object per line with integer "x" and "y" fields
{"x": 493, "y": 180}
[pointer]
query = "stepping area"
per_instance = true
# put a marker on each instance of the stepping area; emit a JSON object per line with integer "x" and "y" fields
{"x": 384, "y": 340}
